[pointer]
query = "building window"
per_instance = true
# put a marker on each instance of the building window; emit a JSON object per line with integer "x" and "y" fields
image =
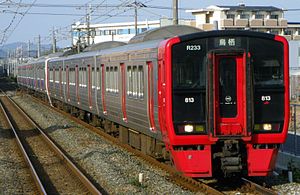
{"x": 230, "y": 16}
{"x": 273, "y": 16}
{"x": 274, "y": 32}
{"x": 259, "y": 16}
{"x": 288, "y": 32}
{"x": 245, "y": 16}
{"x": 207, "y": 16}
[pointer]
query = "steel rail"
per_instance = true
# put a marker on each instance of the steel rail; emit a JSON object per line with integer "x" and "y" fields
{"x": 88, "y": 184}
{"x": 33, "y": 172}
{"x": 258, "y": 188}
{"x": 175, "y": 176}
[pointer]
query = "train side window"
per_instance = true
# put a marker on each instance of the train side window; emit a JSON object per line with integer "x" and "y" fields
{"x": 135, "y": 82}
{"x": 98, "y": 78}
{"x": 93, "y": 78}
{"x": 57, "y": 75}
{"x": 84, "y": 77}
{"x": 129, "y": 81}
{"x": 64, "y": 75}
{"x": 116, "y": 80}
{"x": 79, "y": 76}
{"x": 141, "y": 82}
{"x": 112, "y": 79}
{"x": 51, "y": 75}
{"x": 107, "y": 79}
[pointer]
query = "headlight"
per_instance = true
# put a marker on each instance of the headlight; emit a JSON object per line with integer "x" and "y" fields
{"x": 188, "y": 128}
{"x": 267, "y": 127}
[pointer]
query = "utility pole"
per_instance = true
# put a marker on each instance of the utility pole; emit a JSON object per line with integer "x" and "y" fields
{"x": 135, "y": 17}
{"x": 72, "y": 35}
{"x": 88, "y": 21}
{"x": 175, "y": 12}
{"x": 53, "y": 41}
{"x": 39, "y": 46}
{"x": 28, "y": 49}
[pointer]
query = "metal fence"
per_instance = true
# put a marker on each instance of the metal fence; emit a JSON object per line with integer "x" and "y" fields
{"x": 292, "y": 144}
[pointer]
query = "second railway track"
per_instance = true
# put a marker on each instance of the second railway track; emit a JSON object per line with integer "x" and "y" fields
{"x": 55, "y": 171}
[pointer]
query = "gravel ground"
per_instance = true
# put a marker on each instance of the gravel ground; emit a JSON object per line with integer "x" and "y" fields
{"x": 113, "y": 168}
{"x": 288, "y": 189}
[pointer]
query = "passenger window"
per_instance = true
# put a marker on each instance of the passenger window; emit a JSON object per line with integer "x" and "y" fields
{"x": 135, "y": 81}
{"x": 129, "y": 81}
{"x": 112, "y": 82}
{"x": 116, "y": 80}
{"x": 98, "y": 79}
{"x": 141, "y": 82}
{"x": 107, "y": 79}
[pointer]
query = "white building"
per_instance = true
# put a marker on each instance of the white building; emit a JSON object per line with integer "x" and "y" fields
{"x": 122, "y": 31}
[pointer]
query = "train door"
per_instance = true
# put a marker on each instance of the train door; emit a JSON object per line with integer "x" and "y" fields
{"x": 229, "y": 94}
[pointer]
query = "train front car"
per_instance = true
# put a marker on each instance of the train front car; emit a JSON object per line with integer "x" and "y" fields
{"x": 224, "y": 101}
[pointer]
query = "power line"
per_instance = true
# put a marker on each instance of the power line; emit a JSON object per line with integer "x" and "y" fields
{"x": 93, "y": 5}
{"x": 3, "y": 38}
{"x": 54, "y": 14}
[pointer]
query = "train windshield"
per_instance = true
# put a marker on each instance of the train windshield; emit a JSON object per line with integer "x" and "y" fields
{"x": 190, "y": 61}
{"x": 189, "y": 67}
{"x": 267, "y": 60}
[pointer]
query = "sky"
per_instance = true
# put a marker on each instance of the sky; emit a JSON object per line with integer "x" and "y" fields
{"x": 24, "y": 23}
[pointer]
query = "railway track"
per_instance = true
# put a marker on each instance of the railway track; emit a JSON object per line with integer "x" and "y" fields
{"x": 245, "y": 186}
{"x": 52, "y": 170}
{"x": 174, "y": 176}
{"x": 251, "y": 186}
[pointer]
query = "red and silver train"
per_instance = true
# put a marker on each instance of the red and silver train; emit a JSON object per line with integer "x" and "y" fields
{"x": 209, "y": 101}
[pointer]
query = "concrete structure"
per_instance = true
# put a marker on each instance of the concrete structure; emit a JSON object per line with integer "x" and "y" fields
{"x": 122, "y": 31}
{"x": 258, "y": 18}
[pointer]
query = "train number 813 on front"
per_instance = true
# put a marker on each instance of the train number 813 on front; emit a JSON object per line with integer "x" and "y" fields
{"x": 224, "y": 101}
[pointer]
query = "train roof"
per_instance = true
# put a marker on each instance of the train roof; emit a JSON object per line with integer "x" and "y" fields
{"x": 220, "y": 33}
{"x": 104, "y": 45}
{"x": 164, "y": 33}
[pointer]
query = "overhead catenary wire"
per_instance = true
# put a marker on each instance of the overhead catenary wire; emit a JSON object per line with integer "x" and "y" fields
{"x": 3, "y": 40}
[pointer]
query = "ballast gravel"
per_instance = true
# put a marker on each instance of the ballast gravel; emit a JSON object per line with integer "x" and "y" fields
{"x": 115, "y": 169}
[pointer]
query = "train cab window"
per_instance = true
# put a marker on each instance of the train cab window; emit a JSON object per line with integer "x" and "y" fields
{"x": 129, "y": 81}
{"x": 268, "y": 66}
